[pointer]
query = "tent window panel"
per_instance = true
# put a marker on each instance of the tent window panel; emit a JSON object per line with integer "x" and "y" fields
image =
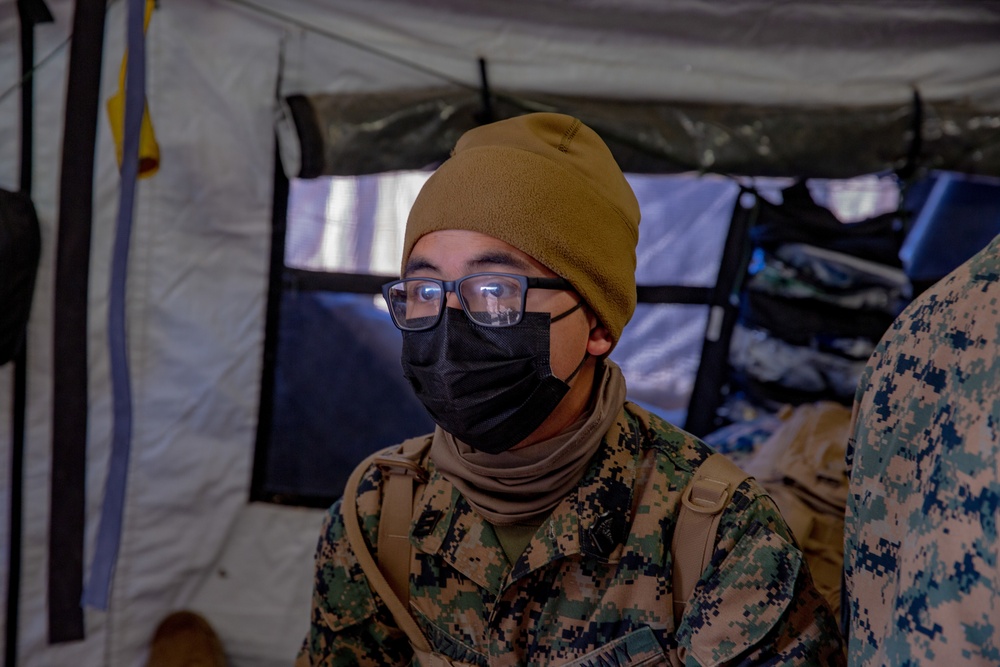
{"x": 683, "y": 227}
{"x": 350, "y": 224}
{"x": 855, "y": 199}
{"x": 339, "y": 394}
{"x": 659, "y": 353}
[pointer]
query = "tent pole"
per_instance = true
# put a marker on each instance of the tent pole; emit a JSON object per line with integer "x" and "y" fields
{"x": 706, "y": 396}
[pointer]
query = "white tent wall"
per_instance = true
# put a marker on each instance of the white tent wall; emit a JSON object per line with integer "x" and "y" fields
{"x": 197, "y": 280}
{"x": 197, "y": 285}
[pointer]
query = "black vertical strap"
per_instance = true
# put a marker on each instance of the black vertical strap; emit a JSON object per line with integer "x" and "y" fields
{"x": 916, "y": 145}
{"x": 31, "y": 13}
{"x": 16, "y": 506}
{"x": 706, "y": 396}
{"x": 69, "y": 381}
{"x": 265, "y": 410}
{"x": 272, "y": 318}
{"x": 485, "y": 114}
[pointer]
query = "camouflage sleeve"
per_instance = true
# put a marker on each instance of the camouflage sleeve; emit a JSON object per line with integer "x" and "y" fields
{"x": 922, "y": 522}
{"x": 348, "y": 626}
{"x": 756, "y": 603}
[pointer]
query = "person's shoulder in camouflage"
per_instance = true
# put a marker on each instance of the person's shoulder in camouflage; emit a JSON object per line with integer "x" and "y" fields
{"x": 921, "y": 559}
{"x": 756, "y": 602}
{"x": 594, "y": 581}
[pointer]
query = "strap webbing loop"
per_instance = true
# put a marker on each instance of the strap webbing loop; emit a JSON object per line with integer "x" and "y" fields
{"x": 701, "y": 510}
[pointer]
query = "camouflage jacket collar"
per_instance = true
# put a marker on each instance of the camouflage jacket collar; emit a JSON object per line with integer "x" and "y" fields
{"x": 592, "y": 520}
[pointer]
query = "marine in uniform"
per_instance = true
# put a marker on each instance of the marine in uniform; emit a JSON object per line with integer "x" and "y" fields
{"x": 542, "y": 535}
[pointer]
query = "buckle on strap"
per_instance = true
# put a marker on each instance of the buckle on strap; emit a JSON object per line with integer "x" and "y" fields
{"x": 706, "y": 495}
{"x": 396, "y": 463}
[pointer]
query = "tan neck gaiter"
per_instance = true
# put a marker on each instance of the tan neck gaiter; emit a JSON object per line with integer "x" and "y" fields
{"x": 523, "y": 485}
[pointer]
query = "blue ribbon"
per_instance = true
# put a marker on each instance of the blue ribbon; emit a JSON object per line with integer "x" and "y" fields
{"x": 98, "y": 588}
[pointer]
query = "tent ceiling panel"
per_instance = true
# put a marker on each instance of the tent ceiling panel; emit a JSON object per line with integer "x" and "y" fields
{"x": 751, "y": 87}
{"x": 696, "y": 51}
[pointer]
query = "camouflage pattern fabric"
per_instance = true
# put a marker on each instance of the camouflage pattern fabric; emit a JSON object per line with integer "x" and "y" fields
{"x": 921, "y": 545}
{"x": 593, "y": 587}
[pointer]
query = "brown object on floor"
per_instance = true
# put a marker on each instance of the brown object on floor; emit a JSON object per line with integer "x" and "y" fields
{"x": 186, "y": 639}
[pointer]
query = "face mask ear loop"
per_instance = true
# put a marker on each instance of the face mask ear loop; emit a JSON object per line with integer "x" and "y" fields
{"x": 586, "y": 355}
{"x": 578, "y": 306}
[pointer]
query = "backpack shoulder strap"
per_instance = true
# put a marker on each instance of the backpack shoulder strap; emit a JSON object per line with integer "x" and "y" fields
{"x": 403, "y": 473}
{"x": 405, "y": 458}
{"x": 702, "y": 503}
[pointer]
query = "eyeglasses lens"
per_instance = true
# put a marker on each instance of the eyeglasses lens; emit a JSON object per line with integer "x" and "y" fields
{"x": 492, "y": 300}
{"x": 415, "y": 303}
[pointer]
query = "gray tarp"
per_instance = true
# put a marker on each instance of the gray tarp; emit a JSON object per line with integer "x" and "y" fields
{"x": 342, "y": 134}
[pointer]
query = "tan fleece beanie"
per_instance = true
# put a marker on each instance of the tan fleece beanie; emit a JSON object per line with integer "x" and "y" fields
{"x": 546, "y": 184}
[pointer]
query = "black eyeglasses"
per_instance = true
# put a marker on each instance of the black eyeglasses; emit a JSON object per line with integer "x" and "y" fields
{"x": 488, "y": 299}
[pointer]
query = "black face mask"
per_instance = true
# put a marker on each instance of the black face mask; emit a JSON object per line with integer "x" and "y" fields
{"x": 488, "y": 387}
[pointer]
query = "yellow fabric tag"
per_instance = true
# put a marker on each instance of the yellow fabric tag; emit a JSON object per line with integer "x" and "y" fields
{"x": 149, "y": 149}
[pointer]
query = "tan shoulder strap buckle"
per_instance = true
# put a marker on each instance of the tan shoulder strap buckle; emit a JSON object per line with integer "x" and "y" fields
{"x": 399, "y": 463}
{"x": 706, "y": 495}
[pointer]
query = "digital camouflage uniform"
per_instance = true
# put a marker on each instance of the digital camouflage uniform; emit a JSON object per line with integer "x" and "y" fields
{"x": 594, "y": 584}
{"x": 921, "y": 543}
